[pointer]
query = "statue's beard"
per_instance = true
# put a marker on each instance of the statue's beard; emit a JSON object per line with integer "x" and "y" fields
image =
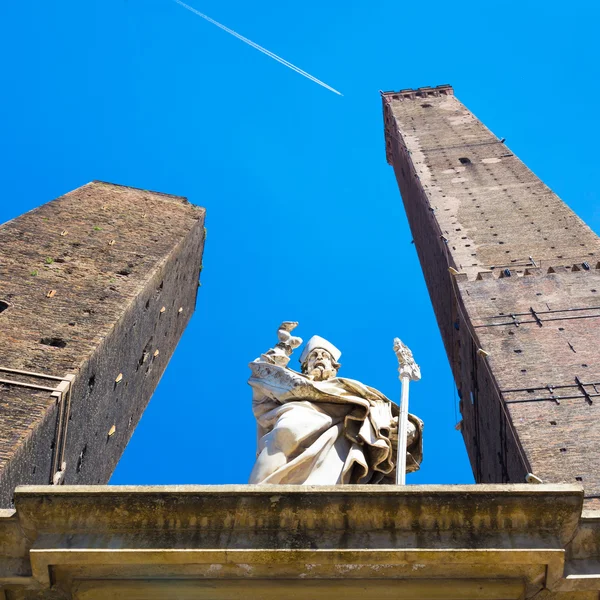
{"x": 321, "y": 373}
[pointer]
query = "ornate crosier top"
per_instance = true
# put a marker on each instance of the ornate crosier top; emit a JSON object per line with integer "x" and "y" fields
{"x": 407, "y": 365}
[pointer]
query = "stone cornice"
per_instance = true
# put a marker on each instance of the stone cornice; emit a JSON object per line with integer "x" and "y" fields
{"x": 422, "y": 92}
{"x": 511, "y": 539}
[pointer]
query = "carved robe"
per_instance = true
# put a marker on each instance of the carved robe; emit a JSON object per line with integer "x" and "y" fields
{"x": 324, "y": 432}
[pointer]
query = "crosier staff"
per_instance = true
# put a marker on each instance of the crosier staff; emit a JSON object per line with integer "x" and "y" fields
{"x": 408, "y": 371}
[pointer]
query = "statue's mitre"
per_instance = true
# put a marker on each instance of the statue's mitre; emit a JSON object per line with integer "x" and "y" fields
{"x": 316, "y": 341}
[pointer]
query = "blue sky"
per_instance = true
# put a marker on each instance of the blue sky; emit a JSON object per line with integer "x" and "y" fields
{"x": 303, "y": 214}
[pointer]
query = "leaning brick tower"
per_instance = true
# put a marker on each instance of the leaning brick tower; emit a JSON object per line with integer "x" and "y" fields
{"x": 96, "y": 289}
{"x": 514, "y": 279}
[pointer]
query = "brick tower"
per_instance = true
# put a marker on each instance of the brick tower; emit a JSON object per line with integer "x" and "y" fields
{"x": 514, "y": 279}
{"x": 96, "y": 289}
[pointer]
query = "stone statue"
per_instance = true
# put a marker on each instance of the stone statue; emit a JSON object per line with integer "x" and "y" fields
{"x": 317, "y": 428}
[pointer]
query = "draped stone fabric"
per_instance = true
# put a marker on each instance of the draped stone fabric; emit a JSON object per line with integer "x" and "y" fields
{"x": 324, "y": 432}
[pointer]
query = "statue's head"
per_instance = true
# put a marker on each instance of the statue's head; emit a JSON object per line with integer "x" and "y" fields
{"x": 319, "y": 359}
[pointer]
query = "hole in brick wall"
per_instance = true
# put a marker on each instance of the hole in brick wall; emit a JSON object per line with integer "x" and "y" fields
{"x": 584, "y": 365}
{"x": 552, "y": 422}
{"x": 55, "y": 342}
{"x": 561, "y": 328}
{"x": 80, "y": 459}
{"x": 426, "y": 105}
{"x": 464, "y": 160}
{"x": 523, "y": 370}
{"x": 563, "y": 449}
{"x": 91, "y": 384}
{"x": 578, "y": 478}
{"x": 592, "y": 290}
{"x": 3, "y": 306}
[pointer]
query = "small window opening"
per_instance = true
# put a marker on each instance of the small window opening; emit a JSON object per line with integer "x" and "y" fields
{"x": 80, "y": 459}
{"x": 578, "y": 478}
{"x": 56, "y": 342}
{"x": 464, "y": 160}
{"x": 552, "y": 422}
{"x": 563, "y": 449}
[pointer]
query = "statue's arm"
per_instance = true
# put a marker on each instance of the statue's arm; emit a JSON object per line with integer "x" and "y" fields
{"x": 280, "y": 354}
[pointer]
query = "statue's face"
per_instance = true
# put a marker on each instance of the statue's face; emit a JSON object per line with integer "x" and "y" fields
{"x": 320, "y": 365}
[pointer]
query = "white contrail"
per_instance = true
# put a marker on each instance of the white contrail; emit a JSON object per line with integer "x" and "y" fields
{"x": 259, "y": 48}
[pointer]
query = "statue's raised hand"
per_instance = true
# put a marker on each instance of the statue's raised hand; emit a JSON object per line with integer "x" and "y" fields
{"x": 286, "y": 338}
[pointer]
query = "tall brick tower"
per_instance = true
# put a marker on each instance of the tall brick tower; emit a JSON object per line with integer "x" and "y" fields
{"x": 514, "y": 278}
{"x": 96, "y": 289}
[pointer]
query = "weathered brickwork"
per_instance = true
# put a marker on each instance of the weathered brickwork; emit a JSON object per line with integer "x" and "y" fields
{"x": 99, "y": 283}
{"x": 519, "y": 310}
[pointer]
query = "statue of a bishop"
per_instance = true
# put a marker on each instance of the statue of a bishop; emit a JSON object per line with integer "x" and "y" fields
{"x": 316, "y": 428}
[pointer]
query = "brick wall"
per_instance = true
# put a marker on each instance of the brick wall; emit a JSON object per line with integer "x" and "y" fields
{"x": 527, "y": 292}
{"x": 99, "y": 283}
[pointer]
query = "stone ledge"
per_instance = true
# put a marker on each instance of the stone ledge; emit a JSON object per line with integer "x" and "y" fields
{"x": 282, "y": 516}
{"x": 93, "y": 538}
